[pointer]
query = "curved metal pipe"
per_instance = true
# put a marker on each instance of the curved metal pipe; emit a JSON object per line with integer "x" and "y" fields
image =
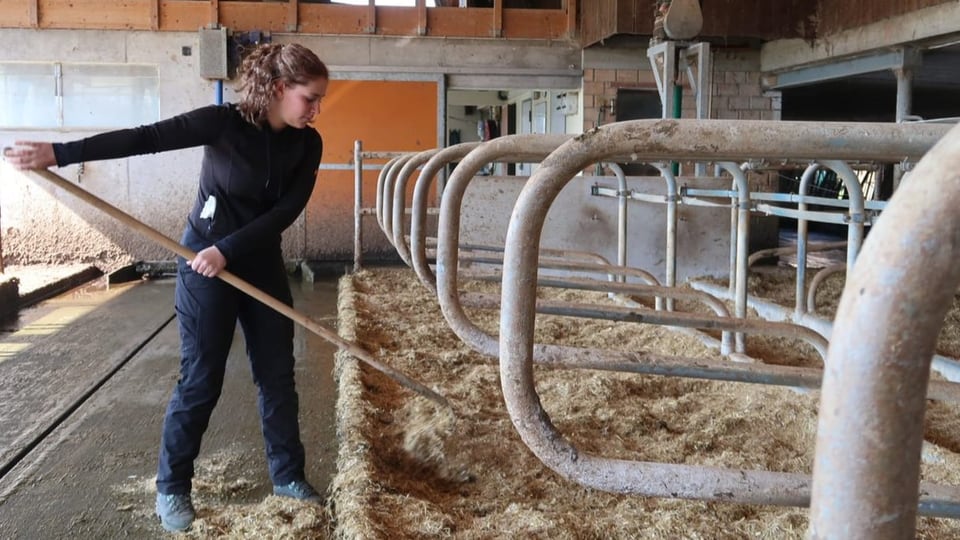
{"x": 418, "y": 218}
{"x": 742, "y": 209}
{"x": 399, "y": 202}
{"x": 855, "y": 192}
{"x": 519, "y": 148}
{"x": 381, "y": 180}
{"x": 821, "y": 276}
{"x": 671, "y": 249}
{"x": 385, "y": 200}
{"x": 869, "y": 436}
{"x": 657, "y": 139}
{"x": 802, "y": 232}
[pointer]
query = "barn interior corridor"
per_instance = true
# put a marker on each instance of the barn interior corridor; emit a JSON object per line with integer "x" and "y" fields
{"x": 84, "y": 382}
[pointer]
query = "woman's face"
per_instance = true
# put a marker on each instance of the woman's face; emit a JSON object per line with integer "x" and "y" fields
{"x": 296, "y": 105}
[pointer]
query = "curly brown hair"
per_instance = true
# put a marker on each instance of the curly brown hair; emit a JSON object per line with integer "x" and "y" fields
{"x": 270, "y": 62}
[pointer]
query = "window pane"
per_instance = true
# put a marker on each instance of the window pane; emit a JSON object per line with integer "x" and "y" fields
{"x": 109, "y": 96}
{"x": 28, "y": 95}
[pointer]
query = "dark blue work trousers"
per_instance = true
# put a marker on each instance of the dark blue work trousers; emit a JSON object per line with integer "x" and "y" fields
{"x": 207, "y": 312}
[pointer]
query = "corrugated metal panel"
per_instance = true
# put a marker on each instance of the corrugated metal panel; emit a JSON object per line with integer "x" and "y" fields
{"x": 836, "y": 15}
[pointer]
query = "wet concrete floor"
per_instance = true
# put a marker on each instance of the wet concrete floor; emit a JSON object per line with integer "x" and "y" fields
{"x": 99, "y": 365}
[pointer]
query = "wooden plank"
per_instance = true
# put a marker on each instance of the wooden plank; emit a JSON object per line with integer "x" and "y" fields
{"x": 34, "y": 12}
{"x": 396, "y": 21}
{"x": 214, "y": 19}
{"x": 461, "y": 22}
{"x": 293, "y": 15}
{"x": 94, "y": 14}
{"x": 534, "y": 24}
{"x": 571, "y": 7}
{"x": 268, "y": 16}
{"x": 335, "y": 19}
{"x": 497, "y": 30}
{"x": 17, "y": 13}
{"x": 183, "y": 15}
{"x": 421, "y": 17}
{"x": 154, "y": 15}
{"x": 190, "y": 15}
{"x": 371, "y": 27}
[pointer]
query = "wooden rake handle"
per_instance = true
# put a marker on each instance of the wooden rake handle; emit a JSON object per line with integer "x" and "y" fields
{"x": 297, "y": 317}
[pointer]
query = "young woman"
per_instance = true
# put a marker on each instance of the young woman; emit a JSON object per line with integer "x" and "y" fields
{"x": 259, "y": 166}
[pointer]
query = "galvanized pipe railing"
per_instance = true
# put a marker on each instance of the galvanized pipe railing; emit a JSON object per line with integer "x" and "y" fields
{"x": 399, "y": 196}
{"x": 663, "y": 140}
{"x": 855, "y": 193}
{"x": 385, "y": 208}
{"x": 534, "y": 147}
{"x": 867, "y": 466}
{"x": 381, "y": 184}
{"x": 513, "y": 147}
{"x": 741, "y": 240}
{"x": 418, "y": 219}
{"x": 802, "y": 233}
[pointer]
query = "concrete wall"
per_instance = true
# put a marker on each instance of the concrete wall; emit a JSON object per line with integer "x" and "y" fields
{"x": 42, "y": 225}
{"x": 579, "y": 221}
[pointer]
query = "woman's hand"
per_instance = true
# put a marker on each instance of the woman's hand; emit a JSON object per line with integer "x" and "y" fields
{"x": 30, "y": 155}
{"x": 208, "y": 262}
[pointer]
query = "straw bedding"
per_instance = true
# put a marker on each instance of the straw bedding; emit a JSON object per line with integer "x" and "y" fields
{"x": 408, "y": 470}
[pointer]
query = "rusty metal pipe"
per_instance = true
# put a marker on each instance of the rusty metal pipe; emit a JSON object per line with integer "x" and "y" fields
{"x": 867, "y": 466}
{"x": 659, "y": 139}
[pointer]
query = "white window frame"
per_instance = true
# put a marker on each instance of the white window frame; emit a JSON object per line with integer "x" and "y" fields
{"x": 139, "y": 104}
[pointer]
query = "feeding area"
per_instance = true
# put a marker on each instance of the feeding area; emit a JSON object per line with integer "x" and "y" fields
{"x": 589, "y": 399}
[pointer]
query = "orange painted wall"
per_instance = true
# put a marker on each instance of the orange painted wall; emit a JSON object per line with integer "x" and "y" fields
{"x": 386, "y": 116}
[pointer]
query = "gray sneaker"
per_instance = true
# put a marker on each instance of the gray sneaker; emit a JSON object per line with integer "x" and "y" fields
{"x": 176, "y": 512}
{"x": 300, "y": 490}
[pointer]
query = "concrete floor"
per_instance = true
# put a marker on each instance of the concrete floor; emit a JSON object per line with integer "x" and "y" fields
{"x": 99, "y": 366}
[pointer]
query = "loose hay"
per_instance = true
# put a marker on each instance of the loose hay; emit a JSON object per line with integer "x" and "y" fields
{"x": 778, "y": 284}
{"x": 406, "y": 472}
{"x": 217, "y": 486}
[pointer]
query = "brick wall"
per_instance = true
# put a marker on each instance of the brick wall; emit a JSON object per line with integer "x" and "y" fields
{"x": 737, "y": 94}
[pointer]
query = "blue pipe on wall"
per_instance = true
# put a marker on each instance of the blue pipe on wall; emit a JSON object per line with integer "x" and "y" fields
{"x": 218, "y": 93}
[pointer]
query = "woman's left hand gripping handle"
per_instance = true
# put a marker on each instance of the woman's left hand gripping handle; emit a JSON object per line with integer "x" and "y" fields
{"x": 30, "y": 155}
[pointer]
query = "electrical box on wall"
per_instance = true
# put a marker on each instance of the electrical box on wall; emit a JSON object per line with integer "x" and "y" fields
{"x": 213, "y": 53}
{"x": 568, "y": 102}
